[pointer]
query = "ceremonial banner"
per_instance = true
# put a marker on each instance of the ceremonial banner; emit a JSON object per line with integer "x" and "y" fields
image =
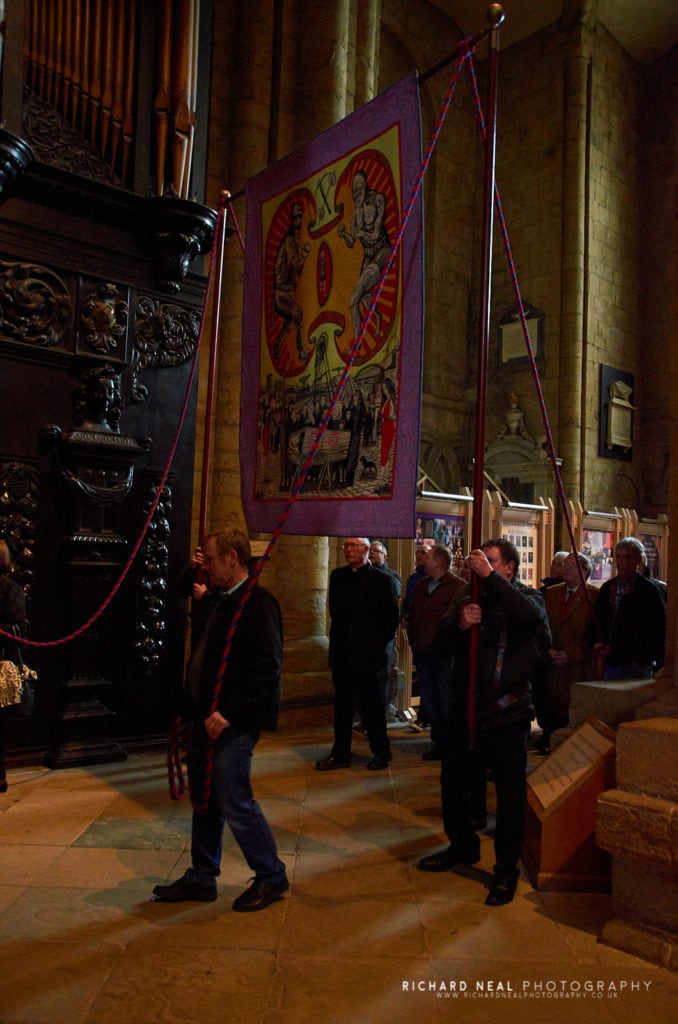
{"x": 320, "y": 227}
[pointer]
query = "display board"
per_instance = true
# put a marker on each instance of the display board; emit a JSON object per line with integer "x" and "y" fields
{"x": 596, "y": 534}
{"x": 560, "y": 851}
{"x": 445, "y": 519}
{"x": 654, "y": 535}
{"x": 531, "y": 529}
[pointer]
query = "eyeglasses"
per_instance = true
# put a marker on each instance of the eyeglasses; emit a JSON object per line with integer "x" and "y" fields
{"x": 349, "y": 545}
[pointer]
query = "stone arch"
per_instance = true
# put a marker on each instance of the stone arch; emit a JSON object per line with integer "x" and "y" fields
{"x": 438, "y": 459}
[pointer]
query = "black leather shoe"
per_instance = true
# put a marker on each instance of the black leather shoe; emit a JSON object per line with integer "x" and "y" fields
{"x": 185, "y": 889}
{"x": 501, "y": 891}
{"x": 328, "y": 764}
{"x": 447, "y": 859}
{"x": 260, "y": 895}
{"x": 378, "y": 762}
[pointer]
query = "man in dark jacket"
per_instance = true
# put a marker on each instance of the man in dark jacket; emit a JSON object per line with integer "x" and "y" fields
{"x": 630, "y": 616}
{"x": 513, "y": 641}
{"x": 227, "y": 718}
{"x": 432, "y": 597}
{"x": 363, "y": 605}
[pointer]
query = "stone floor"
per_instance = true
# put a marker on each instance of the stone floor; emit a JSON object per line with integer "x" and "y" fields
{"x": 363, "y": 938}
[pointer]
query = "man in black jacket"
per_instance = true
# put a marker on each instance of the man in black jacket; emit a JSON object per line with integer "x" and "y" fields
{"x": 513, "y": 641}
{"x": 227, "y": 713}
{"x": 630, "y": 616}
{"x": 363, "y": 604}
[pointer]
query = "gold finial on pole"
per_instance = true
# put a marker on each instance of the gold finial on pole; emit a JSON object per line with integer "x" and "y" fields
{"x": 495, "y": 15}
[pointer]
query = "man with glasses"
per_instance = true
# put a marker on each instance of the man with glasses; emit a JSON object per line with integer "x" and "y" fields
{"x": 224, "y": 737}
{"x": 363, "y": 606}
{"x": 379, "y": 556}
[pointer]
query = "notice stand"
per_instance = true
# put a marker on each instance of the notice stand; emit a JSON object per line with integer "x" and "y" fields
{"x": 560, "y": 852}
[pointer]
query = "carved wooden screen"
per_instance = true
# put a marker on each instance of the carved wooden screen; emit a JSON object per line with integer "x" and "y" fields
{"x": 89, "y": 61}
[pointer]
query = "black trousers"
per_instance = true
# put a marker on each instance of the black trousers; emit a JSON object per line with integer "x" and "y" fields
{"x": 503, "y": 749}
{"x": 369, "y": 691}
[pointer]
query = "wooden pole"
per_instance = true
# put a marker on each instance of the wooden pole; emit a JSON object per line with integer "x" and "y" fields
{"x": 495, "y": 16}
{"x": 220, "y": 243}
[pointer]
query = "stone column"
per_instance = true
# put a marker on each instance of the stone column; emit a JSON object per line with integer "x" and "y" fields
{"x": 368, "y": 25}
{"x": 338, "y": 50}
{"x": 572, "y": 399}
{"x": 324, "y": 35}
{"x": 240, "y": 108}
{"x": 277, "y": 83}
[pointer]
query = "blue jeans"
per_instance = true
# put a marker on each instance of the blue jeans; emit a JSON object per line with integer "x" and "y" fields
{"x": 434, "y": 675}
{"x": 231, "y": 802}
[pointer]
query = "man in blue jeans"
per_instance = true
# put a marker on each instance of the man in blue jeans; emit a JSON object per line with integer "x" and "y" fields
{"x": 248, "y": 701}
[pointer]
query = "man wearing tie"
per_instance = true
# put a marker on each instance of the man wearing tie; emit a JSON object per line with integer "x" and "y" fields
{"x": 569, "y": 607}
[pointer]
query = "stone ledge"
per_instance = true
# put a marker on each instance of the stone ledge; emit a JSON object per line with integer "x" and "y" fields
{"x": 652, "y": 944}
{"x": 645, "y": 751}
{"x": 304, "y": 717}
{"x": 613, "y": 702}
{"x": 638, "y": 827}
{"x": 308, "y": 655}
{"x": 307, "y": 688}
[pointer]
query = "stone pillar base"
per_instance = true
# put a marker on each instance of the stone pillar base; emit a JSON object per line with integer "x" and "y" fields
{"x": 638, "y": 824}
{"x": 652, "y": 944}
{"x": 307, "y": 691}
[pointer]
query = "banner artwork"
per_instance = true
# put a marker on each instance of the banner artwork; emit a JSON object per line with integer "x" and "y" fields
{"x": 320, "y": 227}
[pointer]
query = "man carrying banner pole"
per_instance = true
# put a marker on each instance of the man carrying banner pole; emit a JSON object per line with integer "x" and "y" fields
{"x": 496, "y": 566}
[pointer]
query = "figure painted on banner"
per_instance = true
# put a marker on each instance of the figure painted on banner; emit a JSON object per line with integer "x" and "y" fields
{"x": 363, "y": 606}
{"x": 223, "y": 739}
{"x": 569, "y": 607}
{"x": 289, "y": 263}
{"x": 387, "y": 418}
{"x": 355, "y": 412}
{"x": 368, "y": 228}
{"x": 12, "y": 619}
{"x": 631, "y": 616}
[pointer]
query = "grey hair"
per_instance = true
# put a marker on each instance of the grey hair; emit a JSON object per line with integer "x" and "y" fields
{"x": 632, "y": 544}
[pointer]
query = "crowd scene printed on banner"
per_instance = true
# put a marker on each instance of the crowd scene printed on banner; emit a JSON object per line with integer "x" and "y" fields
{"x": 326, "y": 248}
